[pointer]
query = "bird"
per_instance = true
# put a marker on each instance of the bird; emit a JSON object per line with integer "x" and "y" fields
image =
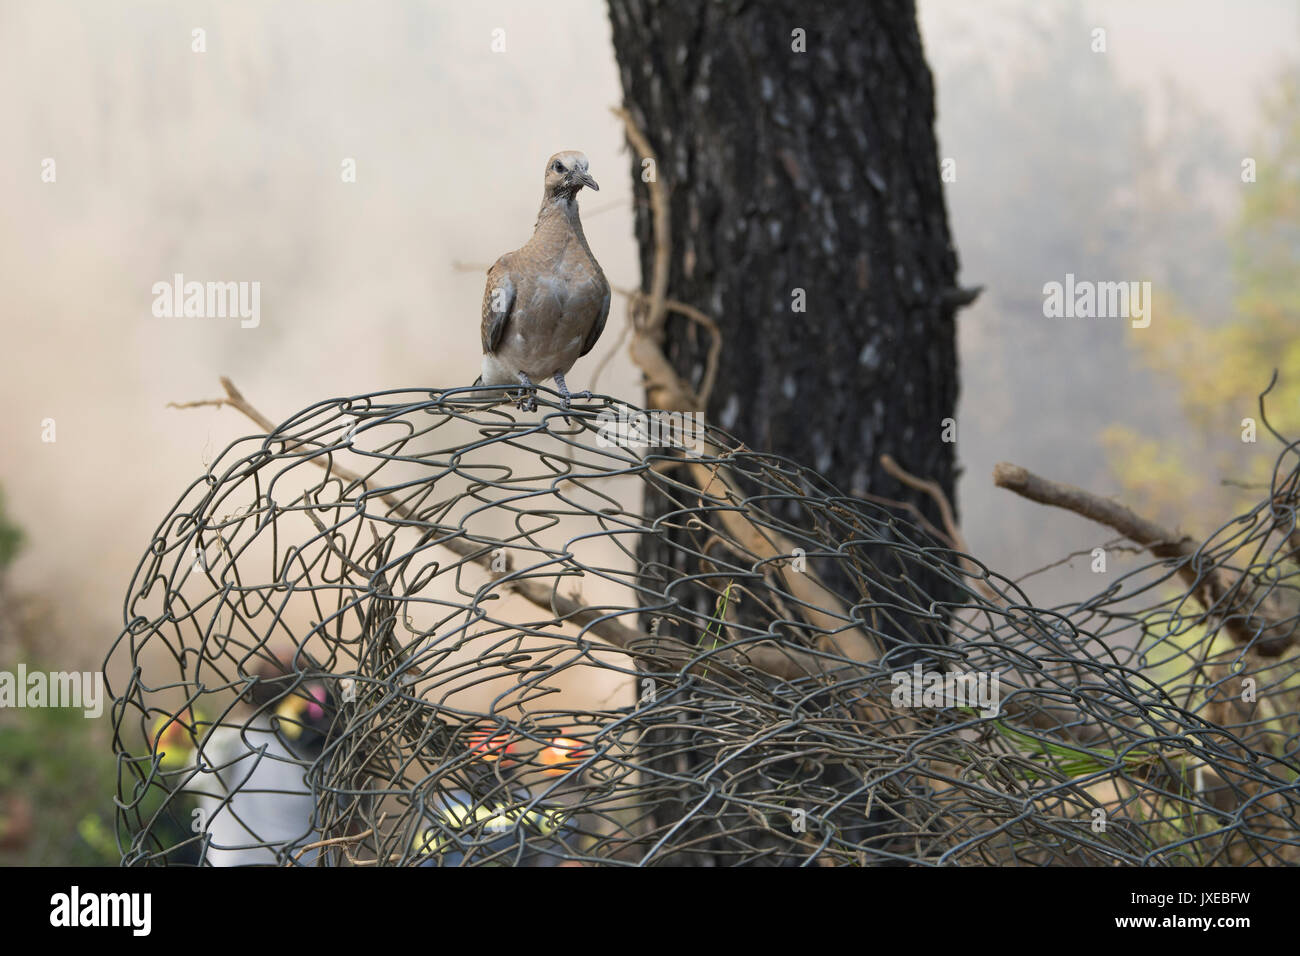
{"x": 546, "y": 303}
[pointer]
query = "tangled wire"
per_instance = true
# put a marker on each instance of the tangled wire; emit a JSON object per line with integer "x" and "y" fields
{"x": 420, "y": 628}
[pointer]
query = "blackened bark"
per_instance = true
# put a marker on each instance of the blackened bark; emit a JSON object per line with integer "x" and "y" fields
{"x": 803, "y": 178}
{"x": 813, "y": 171}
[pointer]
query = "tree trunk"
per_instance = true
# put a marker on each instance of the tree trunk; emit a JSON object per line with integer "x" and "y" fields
{"x": 812, "y": 172}
{"x": 808, "y": 220}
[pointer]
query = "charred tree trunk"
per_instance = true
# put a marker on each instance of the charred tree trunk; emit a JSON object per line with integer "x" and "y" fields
{"x": 813, "y": 173}
{"x": 796, "y": 146}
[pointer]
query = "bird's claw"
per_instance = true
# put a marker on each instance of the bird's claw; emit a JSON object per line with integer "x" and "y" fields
{"x": 527, "y": 394}
{"x": 568, "y": 398}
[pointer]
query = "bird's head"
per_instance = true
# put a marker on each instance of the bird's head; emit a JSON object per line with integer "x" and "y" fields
{"x": 566, "y": 173}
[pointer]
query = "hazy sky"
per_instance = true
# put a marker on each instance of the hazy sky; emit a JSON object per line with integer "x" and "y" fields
{"x": 1223, "y": 51}
{"x": 226, "y": 165}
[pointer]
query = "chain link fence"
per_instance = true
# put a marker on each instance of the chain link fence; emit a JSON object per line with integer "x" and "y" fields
{"x": 412, "y": 628}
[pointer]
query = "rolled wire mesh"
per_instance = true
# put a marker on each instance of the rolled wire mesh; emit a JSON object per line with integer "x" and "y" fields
{"x": 415, "y": 628}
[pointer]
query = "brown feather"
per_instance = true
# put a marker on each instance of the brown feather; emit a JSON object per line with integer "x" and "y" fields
{"x": 545, "y": 304}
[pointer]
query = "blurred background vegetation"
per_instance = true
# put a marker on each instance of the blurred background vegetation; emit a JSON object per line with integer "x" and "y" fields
{"x": 1215, "y": 360}
{"x": 1108, "y": 179}
{"x": 56, "y": 766}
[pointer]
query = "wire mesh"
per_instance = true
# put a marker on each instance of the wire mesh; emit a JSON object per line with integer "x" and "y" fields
{"x": 413, "y": 628}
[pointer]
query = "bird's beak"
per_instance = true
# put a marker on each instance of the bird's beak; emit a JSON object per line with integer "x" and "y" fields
{"x": 587, "y": 181}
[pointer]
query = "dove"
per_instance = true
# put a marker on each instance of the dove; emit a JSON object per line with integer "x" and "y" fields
{"x": 546, "y": 303}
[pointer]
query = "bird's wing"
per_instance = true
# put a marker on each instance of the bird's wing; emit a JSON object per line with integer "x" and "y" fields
{"x": 498, "y": 303}
{"x": 598, "y": 326}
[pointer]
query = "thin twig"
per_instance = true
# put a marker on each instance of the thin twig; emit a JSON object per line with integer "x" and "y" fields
{"x": 662, "y": 231}
{"x": 936, "y": 493}
{"x": 336, "y": 841}
{"x": 1111, "y": 545}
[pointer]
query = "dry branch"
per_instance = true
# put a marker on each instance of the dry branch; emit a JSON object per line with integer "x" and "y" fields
{"x": 666, "y": 390}
{"x": 951, "y": 528}
{"x": 1223, "y": 598}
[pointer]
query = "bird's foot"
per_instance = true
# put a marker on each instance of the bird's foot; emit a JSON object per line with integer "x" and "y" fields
{"x": 565, "y": 394}
{"x": 527, "y": 395}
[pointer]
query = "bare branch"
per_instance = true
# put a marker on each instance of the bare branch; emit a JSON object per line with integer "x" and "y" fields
{"x": 1222, "y": 597}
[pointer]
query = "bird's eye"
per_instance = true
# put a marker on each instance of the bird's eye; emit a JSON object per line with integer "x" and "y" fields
{"x": 558, "y": 167}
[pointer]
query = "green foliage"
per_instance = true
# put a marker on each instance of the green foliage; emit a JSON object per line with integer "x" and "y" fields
{"x": 97, "y": 836}
{"x": 56, "y": 760}
{"x": 11, "y": 536}
{"x": 1174, "y": 650}
{"x": 714, "y": 628}
{"x": 1218, "y": 367}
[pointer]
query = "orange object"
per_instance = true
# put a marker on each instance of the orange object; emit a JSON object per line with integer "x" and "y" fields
{"x": 175, "y": 731}
{"x": 490, "y": 746}
{"x": 174, "y": 739}
{"x": 563, "y": 754}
